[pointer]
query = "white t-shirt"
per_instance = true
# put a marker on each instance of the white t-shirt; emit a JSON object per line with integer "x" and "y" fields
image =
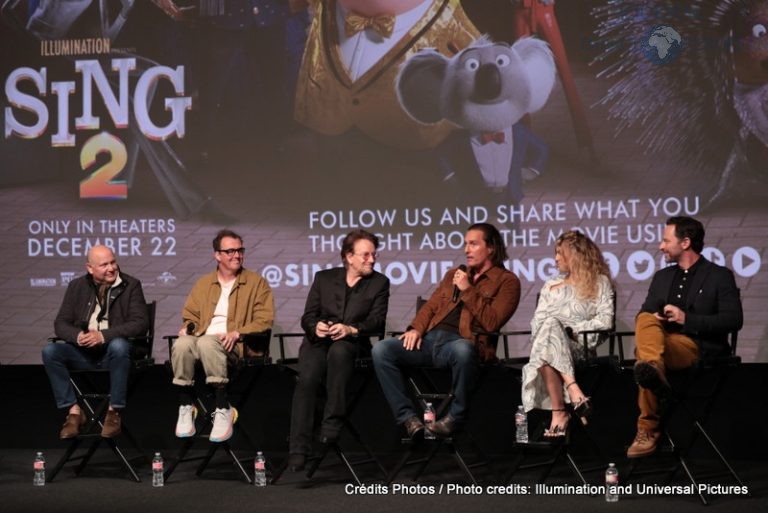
{"x": 218, "y": 324}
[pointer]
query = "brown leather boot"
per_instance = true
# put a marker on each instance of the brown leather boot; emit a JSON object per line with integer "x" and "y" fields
{"x": 414, "y": 427}
{"x": 72, "y": 425}
{"x": 644, "y": 444}
{"x": 112, "y": 424}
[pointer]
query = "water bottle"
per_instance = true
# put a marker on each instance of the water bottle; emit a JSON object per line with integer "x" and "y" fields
{"x": 157, "y": 470}
{"x": 611, "y": 483}
{"x": 521, "y": 425}
{"x": 259, "y": 470}
{"x": 39, "y": 479}
{"x": 429, "y": 419}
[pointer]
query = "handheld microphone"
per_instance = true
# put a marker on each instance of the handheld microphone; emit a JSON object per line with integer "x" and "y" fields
{"x": 190, "y": 328}
{"x": 456, "y": 291}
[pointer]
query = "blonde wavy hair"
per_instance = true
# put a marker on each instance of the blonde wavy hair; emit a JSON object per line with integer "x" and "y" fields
{"x": 585, "y": 261}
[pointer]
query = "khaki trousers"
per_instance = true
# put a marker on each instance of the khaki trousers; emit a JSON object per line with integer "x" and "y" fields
{"x": 669, "y": 351}
{"x": 187, "y": 349}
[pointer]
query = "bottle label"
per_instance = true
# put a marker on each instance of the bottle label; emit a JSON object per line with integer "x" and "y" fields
{"x": 259, "y": 465}
{"x": 39, "y": 465}
{"x": 612, "y": 480}
{"x": 157, "y": 465}
{"x": 520, "y": 420}
{"x": 429, "y": 416}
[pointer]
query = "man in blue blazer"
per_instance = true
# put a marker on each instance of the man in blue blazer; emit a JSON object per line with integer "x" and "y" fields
{"x": 344, "y": 306}
{"x": 689, "y": 311}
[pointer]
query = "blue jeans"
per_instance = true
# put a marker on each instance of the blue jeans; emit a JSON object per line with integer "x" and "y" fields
{"x": 115, "y": 355}
{"x": 438, "y": 349}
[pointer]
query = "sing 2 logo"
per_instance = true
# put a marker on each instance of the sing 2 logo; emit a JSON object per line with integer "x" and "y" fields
{"x": 28, "y": 116}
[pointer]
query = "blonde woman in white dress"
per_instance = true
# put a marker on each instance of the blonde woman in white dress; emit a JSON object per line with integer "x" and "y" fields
{"x": 579, "y": 298}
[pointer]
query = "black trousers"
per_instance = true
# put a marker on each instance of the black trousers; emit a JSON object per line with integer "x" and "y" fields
{"x": 321, "y": 362}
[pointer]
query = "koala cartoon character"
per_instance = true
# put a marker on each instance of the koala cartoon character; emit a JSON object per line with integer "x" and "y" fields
{"x": 486, "y": 89}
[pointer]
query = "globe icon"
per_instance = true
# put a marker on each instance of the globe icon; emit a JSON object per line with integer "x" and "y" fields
{"x": 662, "y": 45}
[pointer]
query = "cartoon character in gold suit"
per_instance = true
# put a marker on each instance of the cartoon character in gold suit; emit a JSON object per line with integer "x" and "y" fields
{"x": 353, "y": 53}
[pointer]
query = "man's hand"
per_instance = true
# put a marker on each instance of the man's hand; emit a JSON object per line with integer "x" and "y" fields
{"x": 339, "y": 331}
{"x": 321, "y": 329}
{"x": 92, "y": 338}
{"x": 228, "y": 340}
{"x": 672, "y": 313}
{"x": 411, "y": 340}
{"x": 461, "y": 280}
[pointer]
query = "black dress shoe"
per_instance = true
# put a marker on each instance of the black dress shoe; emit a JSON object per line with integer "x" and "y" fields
{"x": 329, "y": 439}
{"x": 651, "y": 376}
{"x": 414, "y": 427}
{"x": 297, "y": 462}
{"x": 444, "y": 428}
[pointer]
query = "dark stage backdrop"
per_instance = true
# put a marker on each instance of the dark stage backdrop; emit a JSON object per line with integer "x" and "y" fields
{"x": 150, "y": 125}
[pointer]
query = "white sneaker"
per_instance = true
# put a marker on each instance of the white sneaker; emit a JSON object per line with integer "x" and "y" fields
{"x": 223, "y": 419}
{"x": 185, "y": 425}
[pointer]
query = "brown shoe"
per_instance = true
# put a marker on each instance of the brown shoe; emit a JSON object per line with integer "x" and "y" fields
{"x": 650, "y": 375}
{"x": 414, "y": 427}
{"x": 72, "y": 425}
{"x": 112, "y": 424}
{"x": 444, "y": 428}
{"x": 644, "y": 444}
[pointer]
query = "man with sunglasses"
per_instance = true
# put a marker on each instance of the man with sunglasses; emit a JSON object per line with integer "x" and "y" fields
{"x": 223, "y": 306}
{"x": 345, "y": 305}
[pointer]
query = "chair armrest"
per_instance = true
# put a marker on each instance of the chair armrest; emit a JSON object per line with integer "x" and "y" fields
{"x": 505, "y": 338}
{"x": 171, "y": 339}
{"x": 281, "y": 344}
{"x": 256, "y": 345}
{"x": 585, "y": 339}
{"x": 619, "y": 337}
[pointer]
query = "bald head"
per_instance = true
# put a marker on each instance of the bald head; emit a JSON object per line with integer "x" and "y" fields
{"x": 101, "y": 265}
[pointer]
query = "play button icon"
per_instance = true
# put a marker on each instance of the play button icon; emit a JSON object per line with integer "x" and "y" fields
{"x": 746, "y": 262}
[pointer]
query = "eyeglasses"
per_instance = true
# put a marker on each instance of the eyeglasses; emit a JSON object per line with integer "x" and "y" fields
{"x": 366, "y": 256}
{"x": 232, "y": 251}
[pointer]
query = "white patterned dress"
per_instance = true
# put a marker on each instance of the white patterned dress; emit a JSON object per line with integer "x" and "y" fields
{"x": 557, "y": 309}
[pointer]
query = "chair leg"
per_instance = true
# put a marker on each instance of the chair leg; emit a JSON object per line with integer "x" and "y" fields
{"x": 122, "y": 458}
{"x": 238, "y": 463}
{"x": 279, "y": 472}
{"x": 371, "y": 457}
{"x": 400, "y": 464}
{"x": 317, "y": 460}
{"x": 720, "y": 455}
{"x": 88, "y": 455}
{"x": 348, "y": 464}
{"x": 457, "y": 455}
{"x": 428, "y": 458}
{"x": 575, "y": 468}
{"x": 207, "y": 459}
{"x": 74, "y": 444}
{"x": 185, "y": 447}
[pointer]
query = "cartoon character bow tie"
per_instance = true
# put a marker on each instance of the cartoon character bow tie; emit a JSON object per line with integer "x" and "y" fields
{"x": 496, "y": 137}
{"x": 382, "y": 24}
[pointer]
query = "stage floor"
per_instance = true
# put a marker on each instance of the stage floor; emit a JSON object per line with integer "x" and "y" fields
{"x": 104, "y": 487}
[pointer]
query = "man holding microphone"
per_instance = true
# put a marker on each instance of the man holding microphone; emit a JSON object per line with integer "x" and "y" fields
{"x": 478, "y": 297}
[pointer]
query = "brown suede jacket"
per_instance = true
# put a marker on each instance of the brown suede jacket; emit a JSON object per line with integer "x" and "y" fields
{"x": 487, "y": 306}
